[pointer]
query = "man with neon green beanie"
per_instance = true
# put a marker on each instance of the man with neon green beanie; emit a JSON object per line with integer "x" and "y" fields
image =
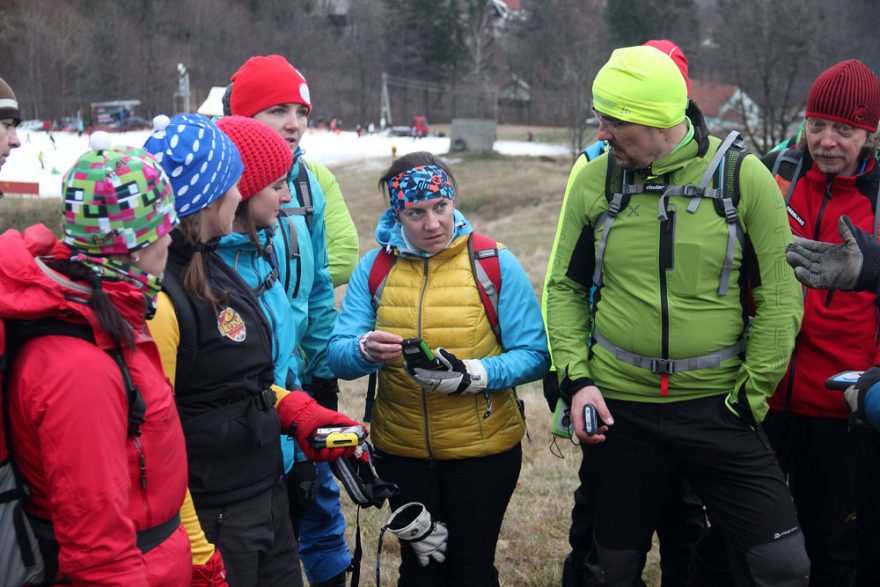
{"x": 677, "y": 387}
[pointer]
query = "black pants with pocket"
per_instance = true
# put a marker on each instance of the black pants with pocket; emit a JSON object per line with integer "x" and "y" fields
{"x": 256, "y": 540}
{"x": 470, "y": 496}
{"x": 679, "y": 530}
{"x": 729, "y": 465}
{"x": 868, "y": 573}
{"x": 819, "y": 456}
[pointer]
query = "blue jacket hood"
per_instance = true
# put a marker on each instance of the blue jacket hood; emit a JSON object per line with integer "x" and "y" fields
{"x": 390, "y": 235}
{"x": 240, "y": 240}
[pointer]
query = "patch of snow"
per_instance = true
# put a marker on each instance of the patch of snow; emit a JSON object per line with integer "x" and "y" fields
{"x": 24, "y": 163}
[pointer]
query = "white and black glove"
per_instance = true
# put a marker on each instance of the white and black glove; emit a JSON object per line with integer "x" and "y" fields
{"x": 455, "y": 377}
{"x": 412, "y": 524}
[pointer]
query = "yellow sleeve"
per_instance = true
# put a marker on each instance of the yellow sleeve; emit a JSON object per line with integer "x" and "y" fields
{"x": 202, "y": 550}
{"x": 166, "y": 333}
{"x": 280, "y": 394}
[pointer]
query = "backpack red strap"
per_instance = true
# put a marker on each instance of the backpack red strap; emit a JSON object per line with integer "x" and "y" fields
{"x": 378, "y": 274}
{"x": 483, "y": 253}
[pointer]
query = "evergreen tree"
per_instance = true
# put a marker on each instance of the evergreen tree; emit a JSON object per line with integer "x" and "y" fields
{"x": 425, "y": 38}
{"x": 632, "y": 22}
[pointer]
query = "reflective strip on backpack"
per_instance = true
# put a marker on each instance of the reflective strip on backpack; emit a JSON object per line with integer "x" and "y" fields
{"x": 659, "y": 365}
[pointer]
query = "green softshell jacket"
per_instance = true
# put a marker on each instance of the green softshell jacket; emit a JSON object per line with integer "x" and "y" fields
{"x": 639, "y": 300}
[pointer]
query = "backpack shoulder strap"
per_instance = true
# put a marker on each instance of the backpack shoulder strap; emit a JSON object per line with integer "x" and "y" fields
{"x": 21, "y": 331}
{"x": 726, "y": 201}
{"x": 291, "y": 249}
{"x": 617, "y": 192}
{"x": 379, "y": 274}
{"x": 187, "y": 326}
{"x": 787, "y": 169}
{"x": 376, "y": 282}
{"x": 483, "y": 254}
{"x": 303, "y": 195}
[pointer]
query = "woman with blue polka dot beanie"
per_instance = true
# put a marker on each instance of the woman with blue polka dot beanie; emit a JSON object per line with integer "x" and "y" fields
{"x": 216, "y": 347}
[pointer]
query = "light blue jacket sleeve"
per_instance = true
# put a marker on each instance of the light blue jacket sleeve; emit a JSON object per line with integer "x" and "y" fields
{"x": 357, "y": 318}
{"x": 322, "y": 303}
{"x": 525, "y": 357}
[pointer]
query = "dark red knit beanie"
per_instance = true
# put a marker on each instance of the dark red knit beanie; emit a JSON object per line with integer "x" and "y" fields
{"x": 266, "y": 81}
{"x": 848, "y": 92}
{"x": 266, "y": 156}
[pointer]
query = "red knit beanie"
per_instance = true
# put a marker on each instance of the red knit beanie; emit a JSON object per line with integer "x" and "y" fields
{"x": 266, "y": 156}
{"x": 674, "y": 52}
{"x": 266, "y": 81}
{"x": 848, "y": 92}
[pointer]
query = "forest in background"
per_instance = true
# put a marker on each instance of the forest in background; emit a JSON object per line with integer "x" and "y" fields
{"x": 62, "y": 55}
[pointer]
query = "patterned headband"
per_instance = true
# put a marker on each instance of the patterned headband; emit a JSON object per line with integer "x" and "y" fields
{"x": 425, "y": 182}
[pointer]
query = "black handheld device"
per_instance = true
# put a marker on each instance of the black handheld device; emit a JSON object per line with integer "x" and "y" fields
{"x": 417, "y": 354}
{"x": 591, "y": 420}
{"x": 843, "y": 380}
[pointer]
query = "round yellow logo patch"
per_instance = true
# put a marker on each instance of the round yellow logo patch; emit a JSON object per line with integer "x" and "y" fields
{"x": 230, "y": 325}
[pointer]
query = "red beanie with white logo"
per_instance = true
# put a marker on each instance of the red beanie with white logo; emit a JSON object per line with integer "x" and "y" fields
{"x": 266, "y": 156}
{"x": 847, "y": 92}
{"x": 266, "y": 81}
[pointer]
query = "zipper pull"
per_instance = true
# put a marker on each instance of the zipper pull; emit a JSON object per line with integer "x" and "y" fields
{"x": 142, "y": 463}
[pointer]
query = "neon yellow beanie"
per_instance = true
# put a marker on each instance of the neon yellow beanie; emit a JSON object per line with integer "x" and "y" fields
{"x": 641, "y": 85}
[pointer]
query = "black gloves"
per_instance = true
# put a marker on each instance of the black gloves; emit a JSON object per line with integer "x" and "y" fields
{"x": 853, "y": 265}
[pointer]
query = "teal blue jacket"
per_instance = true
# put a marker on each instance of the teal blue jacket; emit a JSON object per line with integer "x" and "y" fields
{"x": 310, "y": 288}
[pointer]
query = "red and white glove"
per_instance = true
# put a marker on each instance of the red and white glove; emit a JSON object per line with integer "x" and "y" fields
{"x": 302, "y": 415}
{"x": 210, "y": 574}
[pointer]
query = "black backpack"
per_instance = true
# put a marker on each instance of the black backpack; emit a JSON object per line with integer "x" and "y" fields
{"x": 21, "y": 558}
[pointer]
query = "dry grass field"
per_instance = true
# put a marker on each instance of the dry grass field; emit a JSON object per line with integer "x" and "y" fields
{"x": 516, "y": 200}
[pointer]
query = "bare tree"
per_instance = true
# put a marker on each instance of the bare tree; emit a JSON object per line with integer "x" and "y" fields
{"x": 563, "y": 45}
{"x": 774, "y": 49}
{"x": 479, "y": 39}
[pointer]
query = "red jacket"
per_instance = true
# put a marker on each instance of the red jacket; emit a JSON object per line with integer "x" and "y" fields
{"x": 839, "y": 335}
{"x": 68, "y": 416}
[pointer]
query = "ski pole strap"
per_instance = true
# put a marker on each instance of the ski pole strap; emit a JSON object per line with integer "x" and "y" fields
{"x": 358, "y": 552}
{"x": 371, "y": 397}
{"x": 661, "y": 366}
{"x": 379, "y": 556}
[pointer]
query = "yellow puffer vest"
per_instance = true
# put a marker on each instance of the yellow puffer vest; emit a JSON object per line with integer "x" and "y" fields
{"x": 436, "y": 299}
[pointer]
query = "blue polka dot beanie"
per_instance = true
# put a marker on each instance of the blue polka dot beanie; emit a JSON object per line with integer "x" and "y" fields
{"x": 199, "y": 159}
